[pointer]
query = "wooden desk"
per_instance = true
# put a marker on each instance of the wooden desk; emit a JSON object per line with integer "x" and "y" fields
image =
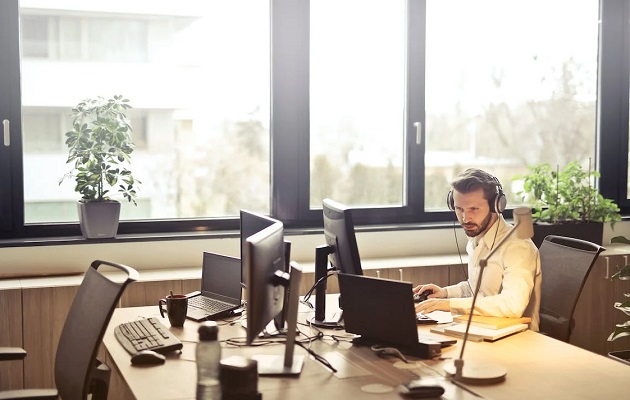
{"x": 539, "y": 367}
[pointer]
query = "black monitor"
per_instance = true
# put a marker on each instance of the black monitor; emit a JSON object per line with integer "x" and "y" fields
{"x": 341, "y": 251}
{"x": 264, "y": 259}
{"x": 340, "y": 236}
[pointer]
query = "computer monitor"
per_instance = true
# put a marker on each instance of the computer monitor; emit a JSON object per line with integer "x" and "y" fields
{"x": 251, "y": 223}
{"x": 264, "y": 260}
{"x": 340, "y": 236}
{"x": 341, "y": 251}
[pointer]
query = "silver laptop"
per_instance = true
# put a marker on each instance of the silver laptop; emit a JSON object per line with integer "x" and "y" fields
{"x": 220, "y": 291}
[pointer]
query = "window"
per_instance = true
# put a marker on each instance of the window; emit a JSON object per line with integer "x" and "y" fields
{"x": 506, "y": 88}
{"x": 272, "y": 106}
{"x": 201, "y": 104}
{"x": 357, "y": 102}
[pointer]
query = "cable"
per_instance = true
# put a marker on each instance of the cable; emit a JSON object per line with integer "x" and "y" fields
{"x": 330, "y": 272}
{"x": 459, "y": 252}
{"x": 317, "y": 357}
{"x": 388, "y": 351}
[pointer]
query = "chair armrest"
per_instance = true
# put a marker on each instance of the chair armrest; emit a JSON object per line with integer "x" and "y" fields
{"x": 12, "y": 353}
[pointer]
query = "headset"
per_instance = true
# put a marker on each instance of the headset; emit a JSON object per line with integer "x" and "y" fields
{"x": 497, "y": 203}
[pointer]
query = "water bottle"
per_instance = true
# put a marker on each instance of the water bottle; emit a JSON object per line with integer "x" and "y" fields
{"x": 208, "y": 355}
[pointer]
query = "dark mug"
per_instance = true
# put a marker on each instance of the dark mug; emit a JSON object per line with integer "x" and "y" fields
{"x": 176, "y": 308}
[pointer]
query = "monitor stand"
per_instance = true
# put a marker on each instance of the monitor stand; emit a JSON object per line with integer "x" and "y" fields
{"x": 289, "y": 364}
{"x": 321, "y": 272}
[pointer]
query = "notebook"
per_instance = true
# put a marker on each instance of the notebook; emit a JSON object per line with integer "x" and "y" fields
{"x": 382, "y": 312}
{"x": 484, "y": 321}
{"x": 478, "y": 333}
{"x": 220, "y": 288}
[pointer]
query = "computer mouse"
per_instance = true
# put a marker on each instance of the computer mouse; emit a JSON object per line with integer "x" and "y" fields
{"x": 420, "y": 297}
{"x": 418, "y": 389}
{"x": 147, "y": 357}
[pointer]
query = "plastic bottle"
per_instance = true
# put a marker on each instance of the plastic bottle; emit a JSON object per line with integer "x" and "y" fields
{"x": 208, "y": 355}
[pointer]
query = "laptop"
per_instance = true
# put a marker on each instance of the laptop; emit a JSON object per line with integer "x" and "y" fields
{"x": 220, "y": 288}
{"x": 382, "y": 312}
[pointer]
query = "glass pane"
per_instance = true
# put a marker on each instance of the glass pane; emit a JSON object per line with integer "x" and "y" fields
{"x": 508, "y": 84}
{"x": 197, "y": 76}
{"x": 357, "y": 87}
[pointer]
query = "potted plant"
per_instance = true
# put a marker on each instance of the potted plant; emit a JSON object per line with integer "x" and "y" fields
{"x": 562, "y": 198}
{"x": 100, "y": 147}
{"x": 622, "y": 329}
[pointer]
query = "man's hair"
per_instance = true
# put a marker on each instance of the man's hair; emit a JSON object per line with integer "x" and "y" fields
{"x": 474, "y": 179}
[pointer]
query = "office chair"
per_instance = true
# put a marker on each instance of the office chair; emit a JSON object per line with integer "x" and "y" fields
{"x": 565, "y": 263}
{"x": 77, "y": 370}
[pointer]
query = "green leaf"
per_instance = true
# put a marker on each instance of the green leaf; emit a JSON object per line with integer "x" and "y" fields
{"x": 619, "y": 239}
{"x": 621, "y": 330}
{"x": 623, "y": 274}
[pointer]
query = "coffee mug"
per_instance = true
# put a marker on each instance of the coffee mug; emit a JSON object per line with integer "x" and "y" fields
{"x": 176, "y": 308}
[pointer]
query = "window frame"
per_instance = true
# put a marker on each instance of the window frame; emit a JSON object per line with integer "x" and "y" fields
{"x": 290, "y": 161}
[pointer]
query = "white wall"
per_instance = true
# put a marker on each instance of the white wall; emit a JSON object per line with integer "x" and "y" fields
{"x": 67, "y": 259}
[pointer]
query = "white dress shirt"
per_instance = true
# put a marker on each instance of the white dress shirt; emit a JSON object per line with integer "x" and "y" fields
{"x": 510, "y": 286}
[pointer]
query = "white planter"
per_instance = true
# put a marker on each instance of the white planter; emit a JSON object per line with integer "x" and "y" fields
{"x": 99, "y": 220}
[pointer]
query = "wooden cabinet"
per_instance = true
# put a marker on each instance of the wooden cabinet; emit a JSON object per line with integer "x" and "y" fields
{"x": 33, "y": 312}
{"x": 11, "y": 376}
{"x": 595, "y": 316}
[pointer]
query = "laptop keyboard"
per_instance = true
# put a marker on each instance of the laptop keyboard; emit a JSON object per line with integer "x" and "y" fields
{"x": 212, "y": 306}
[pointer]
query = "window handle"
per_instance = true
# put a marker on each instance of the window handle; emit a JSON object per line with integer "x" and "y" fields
{"x": 7, "y": 136}
{"x": 418, "y": 126}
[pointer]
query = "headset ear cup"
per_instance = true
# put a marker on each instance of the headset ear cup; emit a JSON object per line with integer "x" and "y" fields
{"x": 500, "y": 203}
{"x": 449, "y": 200}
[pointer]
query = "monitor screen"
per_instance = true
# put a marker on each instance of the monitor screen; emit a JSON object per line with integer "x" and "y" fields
{"x": 264, "y": 262}
{"x": 340, "y": 236}
{"x": 251, "y": 223}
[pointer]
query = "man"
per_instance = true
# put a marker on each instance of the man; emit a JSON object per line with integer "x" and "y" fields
{"x": 510, "y": 286}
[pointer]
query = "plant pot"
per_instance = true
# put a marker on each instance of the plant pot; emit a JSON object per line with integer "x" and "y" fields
{"x": 99, "y": 220}
{"x": 621, "y": 356}
{"x": 589, "y": 231}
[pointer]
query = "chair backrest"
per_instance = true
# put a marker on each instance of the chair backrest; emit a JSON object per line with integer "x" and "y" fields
{"x": 565, "y": 263}
{"x": 85, "y": 326}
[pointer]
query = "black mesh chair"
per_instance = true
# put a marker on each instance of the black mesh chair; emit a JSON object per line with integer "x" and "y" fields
{"x": 78, "y": 372}
{"x": 565, "y": 263}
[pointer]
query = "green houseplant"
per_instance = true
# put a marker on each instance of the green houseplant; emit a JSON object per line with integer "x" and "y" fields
{"x": 99, "y": 149}
{"x": 563, "y": 197}
{"x": 622, "y": 329}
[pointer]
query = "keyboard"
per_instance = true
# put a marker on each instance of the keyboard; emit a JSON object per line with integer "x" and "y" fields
{"x": 146, "y": 334}
{"x": 212, "y": 306}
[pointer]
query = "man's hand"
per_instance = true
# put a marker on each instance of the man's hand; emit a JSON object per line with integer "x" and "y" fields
{"x": 433, "y": 305}
{"x": 435, "y": 289}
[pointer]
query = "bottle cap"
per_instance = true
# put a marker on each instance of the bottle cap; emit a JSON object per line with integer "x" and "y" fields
{"x": 208, "y": 330}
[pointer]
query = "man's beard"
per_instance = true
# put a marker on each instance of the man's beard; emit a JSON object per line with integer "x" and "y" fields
{"x": 482, "y": 228}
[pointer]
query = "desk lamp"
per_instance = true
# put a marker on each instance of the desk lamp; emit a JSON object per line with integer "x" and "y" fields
{"x": 479, "y": 372}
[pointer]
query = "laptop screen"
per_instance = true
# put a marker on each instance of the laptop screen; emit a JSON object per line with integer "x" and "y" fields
{"x": 221, "y": 277}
